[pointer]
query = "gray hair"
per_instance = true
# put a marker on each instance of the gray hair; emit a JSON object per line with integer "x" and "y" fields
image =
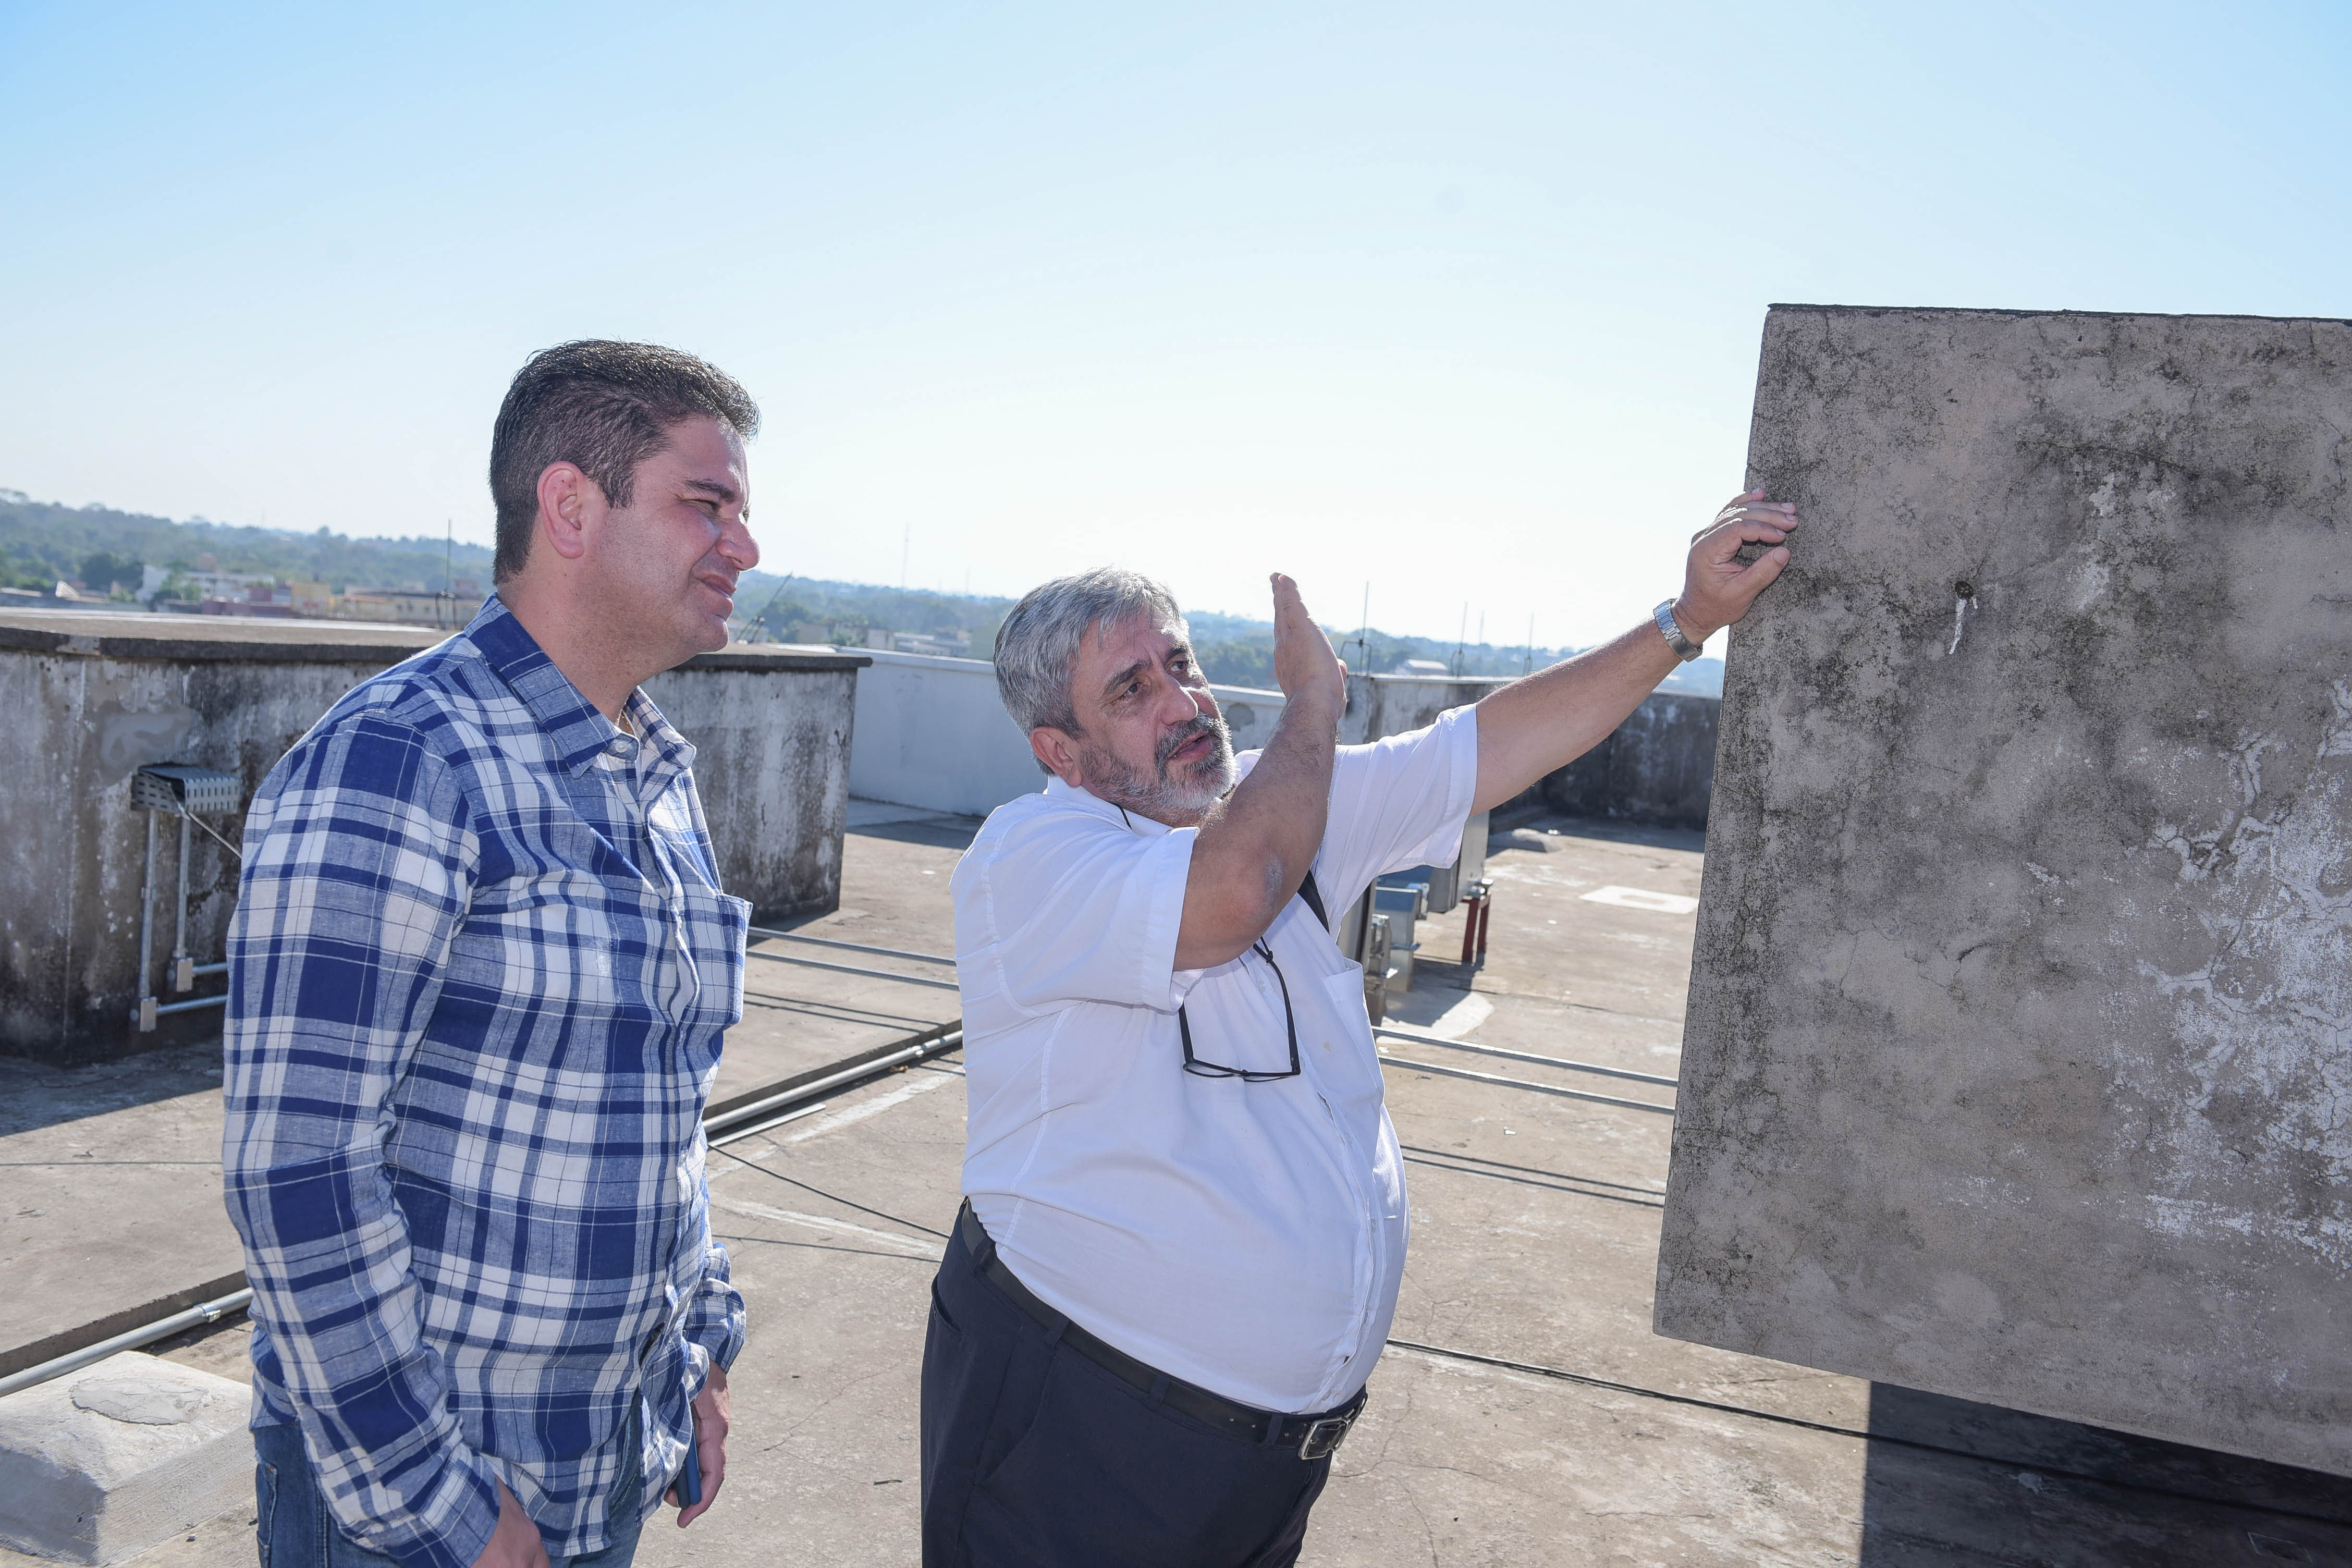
{"x": 1037, "y": 646}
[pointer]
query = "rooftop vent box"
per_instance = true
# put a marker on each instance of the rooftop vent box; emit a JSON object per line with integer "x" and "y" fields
{"x": 175, "y": 788}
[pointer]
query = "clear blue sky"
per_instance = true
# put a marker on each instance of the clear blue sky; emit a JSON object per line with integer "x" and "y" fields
{"x": 1461, "y": 300}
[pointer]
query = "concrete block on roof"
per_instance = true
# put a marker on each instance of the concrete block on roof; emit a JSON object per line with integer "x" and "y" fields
{"x": 98, "y": 695}
{"x": 105, "y": 1462}
{"x": 2019, "y": 1057}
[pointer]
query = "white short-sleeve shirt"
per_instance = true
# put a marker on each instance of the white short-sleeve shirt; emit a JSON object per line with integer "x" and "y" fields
{"x": 1247, "y": 1238}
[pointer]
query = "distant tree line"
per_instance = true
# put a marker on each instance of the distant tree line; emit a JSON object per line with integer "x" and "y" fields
{"x": 43, "y": 542}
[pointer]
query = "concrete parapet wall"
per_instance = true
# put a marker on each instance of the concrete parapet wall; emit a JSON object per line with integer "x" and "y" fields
{"x": 2016, "y": 1065}
{"x": 1381, "y": 705}
{"x": 1657, "y": 768}
{"x": 98, "y": 695}
{"x": 931, "y": 732}
{"x": 772, "y": 733}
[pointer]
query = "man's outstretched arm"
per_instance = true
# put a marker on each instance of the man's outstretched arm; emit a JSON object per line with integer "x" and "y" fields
{"x": 1257, "y": 844}
{"x": 1531, "y": 727}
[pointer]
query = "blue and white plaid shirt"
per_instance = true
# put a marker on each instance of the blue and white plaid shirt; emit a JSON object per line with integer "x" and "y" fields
{"x": 479, "y": 979}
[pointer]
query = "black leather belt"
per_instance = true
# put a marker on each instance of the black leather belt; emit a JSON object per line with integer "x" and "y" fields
{"x": 1313, "y": 1437}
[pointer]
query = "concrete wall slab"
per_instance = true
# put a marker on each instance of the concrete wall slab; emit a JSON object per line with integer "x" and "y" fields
{"x": 97, "y": 695}
{"x": 2019, "y": 1056}
{"x": 932, "y": 733}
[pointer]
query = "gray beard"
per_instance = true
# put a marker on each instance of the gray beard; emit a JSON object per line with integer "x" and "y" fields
{"x": 1186, "y": 790}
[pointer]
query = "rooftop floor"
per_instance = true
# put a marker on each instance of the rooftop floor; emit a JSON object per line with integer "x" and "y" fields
{"x": 1536, "y": 1224}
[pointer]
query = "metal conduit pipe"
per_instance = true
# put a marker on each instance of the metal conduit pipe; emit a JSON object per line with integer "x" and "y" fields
{"x": 143, "y": 1015}
{"x": 1422, "y": 1039}
{"x": 194, "y": 1004}
{"x": 212, "y": 1311}
{"x": 1390, "y": 1062}
{"x": 852, "y": 946}
{"x": 853, "y": 969}
{"x": 801, "y": 1093}
{"x": 161, "y": 1329}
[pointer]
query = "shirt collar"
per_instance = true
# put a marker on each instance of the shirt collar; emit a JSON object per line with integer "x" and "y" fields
{"x": 1069, "y": 794}
{"x": 580, "y": 733}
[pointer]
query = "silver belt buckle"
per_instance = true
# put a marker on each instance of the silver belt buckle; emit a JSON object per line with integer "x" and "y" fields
{"x": 1323, "y": 1438}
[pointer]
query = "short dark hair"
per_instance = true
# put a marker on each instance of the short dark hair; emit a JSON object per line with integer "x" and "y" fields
{"x": 604, "y": 407}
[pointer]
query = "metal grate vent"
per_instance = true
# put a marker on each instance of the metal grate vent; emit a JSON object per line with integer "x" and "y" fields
{"x": 199, "y": 792}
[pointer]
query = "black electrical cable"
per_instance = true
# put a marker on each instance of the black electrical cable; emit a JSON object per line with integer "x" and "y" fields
{"x": 1650, "y": 1201}
{"x": 1589, "y": 1381}
{"x": 833, "y": 1197}
{"x": 1531, "y": 1170}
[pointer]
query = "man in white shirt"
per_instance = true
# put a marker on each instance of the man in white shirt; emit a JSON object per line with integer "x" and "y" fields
{"x": 1185, "y": 1216}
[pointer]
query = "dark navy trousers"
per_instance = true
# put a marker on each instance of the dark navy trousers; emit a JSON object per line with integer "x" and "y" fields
{"x": 1035, "y": 1456}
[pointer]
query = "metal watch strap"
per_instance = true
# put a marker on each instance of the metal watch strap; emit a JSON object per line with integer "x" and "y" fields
{"x": 1684, "y": 649}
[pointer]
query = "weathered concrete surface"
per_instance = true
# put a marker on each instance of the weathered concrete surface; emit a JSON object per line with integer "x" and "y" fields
{"x": 2019, "y": 1065}
{"x": 1381, "y": 705}
{"x": 1535, "y": 1229}
{"x": 110, "y": 1212}
{"x": 1656, "y": 768}
{"x": 108, "y": 1460}
{"x": 933, "y": 734}
{"x": 771, "y": 729}
{"x": 98, "y": 695}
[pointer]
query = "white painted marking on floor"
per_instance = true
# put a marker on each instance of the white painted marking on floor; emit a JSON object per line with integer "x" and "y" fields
{"x": 1642, "y": 899}
{"x": 914, "y": 1085}
{"x": 1462, "y": 1017}
{"x": 819, "y": 1221}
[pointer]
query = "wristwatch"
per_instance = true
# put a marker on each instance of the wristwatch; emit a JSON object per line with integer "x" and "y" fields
{"x": 1684, "y": 649}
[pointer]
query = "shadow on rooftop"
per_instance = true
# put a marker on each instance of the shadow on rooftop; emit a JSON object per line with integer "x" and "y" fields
{"x": 938, "y": 831}
{"x": 37, "y": 1094}
{"x": 1957, "y": 1482}
{"x": 1540, "y": 822}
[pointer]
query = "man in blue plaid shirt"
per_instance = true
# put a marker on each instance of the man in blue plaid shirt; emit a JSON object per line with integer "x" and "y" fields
{"x": 481, "y": 969}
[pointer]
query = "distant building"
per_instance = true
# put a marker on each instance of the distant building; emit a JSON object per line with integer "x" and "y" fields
{"x": 407, "y": 606}
{"x": 260, "y": 598}
{"x": 229, "y": 585}
{"x": 941, "y": 645}
{"x": 1426, "y": 668}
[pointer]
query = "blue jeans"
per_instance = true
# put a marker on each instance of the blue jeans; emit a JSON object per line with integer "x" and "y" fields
{"x": 297, "y": 1531}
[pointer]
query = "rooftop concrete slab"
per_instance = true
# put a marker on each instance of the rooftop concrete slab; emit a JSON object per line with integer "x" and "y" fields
{"x": 110, "y": 1212}
{"x": 2017, "y": 1066}
{"x": 1536, "y": 1225}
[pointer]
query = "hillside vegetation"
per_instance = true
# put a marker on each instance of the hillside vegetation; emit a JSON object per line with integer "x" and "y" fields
{"x": 44, "y": 541}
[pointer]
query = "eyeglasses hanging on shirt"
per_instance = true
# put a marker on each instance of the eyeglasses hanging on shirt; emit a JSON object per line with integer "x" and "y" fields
{"x": 1200, "y": 1069}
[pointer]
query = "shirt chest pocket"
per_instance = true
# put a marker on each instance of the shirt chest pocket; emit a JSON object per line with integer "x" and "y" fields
{"x": 1352, "y": 1064}
{"x": 714, "y": 928}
